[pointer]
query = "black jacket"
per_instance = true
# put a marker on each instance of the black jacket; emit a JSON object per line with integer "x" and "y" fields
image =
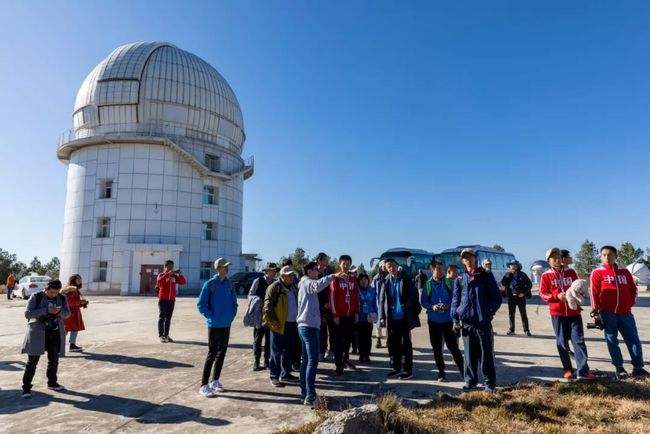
{"x": 410, "y": 301}
{"x": 517, "y": 283}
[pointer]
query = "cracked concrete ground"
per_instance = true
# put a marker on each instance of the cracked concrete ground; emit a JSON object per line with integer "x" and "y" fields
{"x": 126, "y": 380}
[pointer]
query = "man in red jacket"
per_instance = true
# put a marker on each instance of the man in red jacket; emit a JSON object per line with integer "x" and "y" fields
{"x": 613, "y": 293}
{"x": 344, "y": 304}
{"x": 567, "y": 322}
{"x": 166, "y": 283}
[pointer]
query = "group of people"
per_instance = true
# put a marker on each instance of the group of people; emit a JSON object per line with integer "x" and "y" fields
{"x": 300, "y": 319}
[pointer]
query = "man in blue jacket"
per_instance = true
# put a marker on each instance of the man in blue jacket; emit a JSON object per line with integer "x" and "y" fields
{"x": 436, "y": 300}
{"x": 476, "y": 299}
{"x": 218, "y": 304}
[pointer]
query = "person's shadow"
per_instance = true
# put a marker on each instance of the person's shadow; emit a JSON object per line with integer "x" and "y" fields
{"x": 147, "y": 362}
{"x": 142, "y": 411}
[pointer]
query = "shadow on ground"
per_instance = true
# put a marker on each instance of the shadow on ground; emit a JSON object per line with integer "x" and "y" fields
{"x": 141, "y": 411}
{"x": 147, "y": 362}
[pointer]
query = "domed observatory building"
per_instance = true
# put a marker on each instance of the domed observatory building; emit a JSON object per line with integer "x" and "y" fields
{"x": 154, "y": 171}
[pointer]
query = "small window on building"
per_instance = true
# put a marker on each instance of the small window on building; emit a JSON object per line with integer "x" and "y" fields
{"x": 101, "y": 272}
{"x": 106, "y": 189}
{"x": 209, "y": 231}
{"x": 103, "y": 227}
{"x": 210, "y": 195}
{"x": 206, "y": 270}
{"x": 212, "y": 162}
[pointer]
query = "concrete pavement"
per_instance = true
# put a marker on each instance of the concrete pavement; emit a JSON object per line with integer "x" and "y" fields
{"x": 126, "y": 380}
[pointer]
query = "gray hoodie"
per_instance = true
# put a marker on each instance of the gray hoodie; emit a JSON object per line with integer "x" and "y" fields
{"x": 308, "y": 307}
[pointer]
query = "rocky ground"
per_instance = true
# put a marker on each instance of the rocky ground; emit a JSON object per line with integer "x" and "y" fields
{"x": 126, "y": 380}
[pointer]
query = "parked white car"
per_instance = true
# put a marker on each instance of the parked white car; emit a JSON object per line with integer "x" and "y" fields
{"x": 29, "y": 285}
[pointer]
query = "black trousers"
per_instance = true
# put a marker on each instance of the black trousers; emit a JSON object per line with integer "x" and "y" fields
{"x": 343, "y": 333}
{"x": 364, "y": 338}
{"x": 400, "y": 345}
{"x": 259, "y": 334}
{"x": 217, "y": 346}
{"x": 326, "y": 333}
{"x": 439, "y": 332}
{"x": 165, "y": 312}
{"x": 52, "y": 347}
{"x": 514, "y": 303}
{"x": 478, "y": 343}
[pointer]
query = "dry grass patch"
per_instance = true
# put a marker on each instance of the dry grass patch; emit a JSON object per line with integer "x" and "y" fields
{"x": 596, "y": 407}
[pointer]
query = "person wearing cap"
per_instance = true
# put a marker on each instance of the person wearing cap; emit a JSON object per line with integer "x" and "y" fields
{"x": 567, "y": 322}
{"x": 518, "y": 288}
{"x": 436, "y": 300}
{"x": 475, "y": 301}
{"x": 613, "y": 293}
{"x": 258, "y": 289}
{"x": 399, "y": 310}
{"x": 309, "y": 323}
{"x": 487, "y": 265}
{"x": 327, "y": 325}
{"x": 344, "y": 303}
{"x": 166, "y": 283}
{"x": 218, "y": 304}
{"x": 45, "y": 313}
{"x": 377, "y": 283}
{"x": 279, "y": 314}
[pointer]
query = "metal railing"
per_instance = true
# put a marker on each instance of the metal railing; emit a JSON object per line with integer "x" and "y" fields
{"x": 149, "y": 129}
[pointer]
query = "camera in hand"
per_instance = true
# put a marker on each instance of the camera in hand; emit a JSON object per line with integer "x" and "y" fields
{"x": 597, "y": 324}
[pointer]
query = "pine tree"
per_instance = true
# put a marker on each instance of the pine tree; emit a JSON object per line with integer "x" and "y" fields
{"x": 586, "y": 259}
{"x": 628, "y": 254}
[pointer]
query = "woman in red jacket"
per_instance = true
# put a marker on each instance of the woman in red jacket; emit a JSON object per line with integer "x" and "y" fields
{"x": 74, "y": 323}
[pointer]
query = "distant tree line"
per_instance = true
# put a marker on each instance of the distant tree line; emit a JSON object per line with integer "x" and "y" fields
{"x": 9, "y": 263}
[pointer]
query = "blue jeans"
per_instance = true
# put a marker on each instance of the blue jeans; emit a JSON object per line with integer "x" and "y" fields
{"x": 282, "y": 351}
{"x": 625, "y": 324}
{"x": 310, "y": 338}
{"x": 570, "y": 328}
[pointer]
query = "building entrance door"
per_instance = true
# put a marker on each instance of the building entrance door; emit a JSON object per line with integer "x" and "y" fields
{"x": 148, "y": 274}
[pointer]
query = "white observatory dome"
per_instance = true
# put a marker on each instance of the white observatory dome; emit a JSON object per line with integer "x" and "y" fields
{"x": 155, "y": 87}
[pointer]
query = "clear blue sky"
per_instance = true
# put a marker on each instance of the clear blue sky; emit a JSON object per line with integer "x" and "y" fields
{"x": 373, "y": 124}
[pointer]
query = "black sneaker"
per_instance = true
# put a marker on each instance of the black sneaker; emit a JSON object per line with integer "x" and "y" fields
{"x": 256, "y": 367}
{"x": 620, "y": 373}
{"x": 378, "y": 344}
{"x": 639, "y": 372}
{"x": 75, "y": 349}
{"x": 510, "y": 332}
{"x": 163, "y": 339}
{"x": 529, "y": 334}
{"x": 354, "y": 351}
{"x": 394, "y": 374}
{"x": 55, "y": 386}
{"x": 169, "y": 339}
{"x": 26, "y": 394}
{"x": 350, "y": 365}
{"x": 405, "y": 375}
{"x": 289, "y": 377}
{"x": 442, "y": 377}
{"x": 276, "y": 383}
{"x": 467, "y": 387}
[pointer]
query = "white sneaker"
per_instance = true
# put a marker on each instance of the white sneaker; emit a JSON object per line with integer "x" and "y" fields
{"x": 216, "y": 386}
{"x": 206, "y": 391}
